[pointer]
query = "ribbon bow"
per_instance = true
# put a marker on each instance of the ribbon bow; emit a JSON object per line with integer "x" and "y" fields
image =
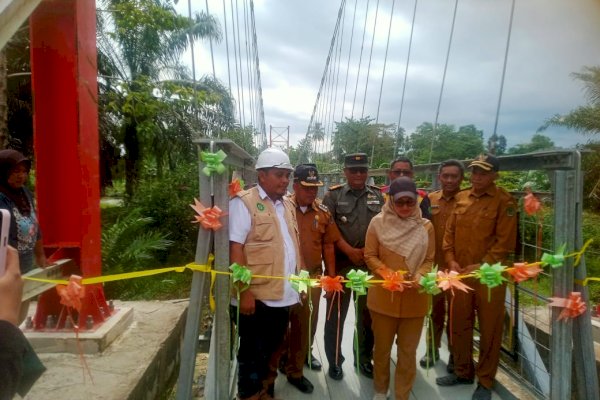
{"x": 72, "y": 293}
{"x": 523, "y": 271}
{"x": 207, "y": 217}
{"x": 214, "y": 162}
{"x": 301, "y": 282}
{"x": 555, "y": 260}
{"x": 530, "y": 203}
{"x": 428, "y": 282}
{"x": 235, "y": 186}
{"x": 239, "y": 273}
{"x": 490, "y": 275}
{"x": 450, "y": 281}
{"x": 331, "y": 284}
{"x": 358, "y": 281}
{"x": 394, "y": 281}
{"x": 573, "y": 305}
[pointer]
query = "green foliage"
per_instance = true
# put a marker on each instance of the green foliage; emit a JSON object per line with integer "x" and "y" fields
{"x": 243, "y": 137}
{"x": 590, "y": 165}
{"x": 538, "y": 142}
{"x": 429, "y": 145}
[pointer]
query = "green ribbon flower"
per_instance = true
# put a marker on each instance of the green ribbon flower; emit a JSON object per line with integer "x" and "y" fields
{"x": 301, "y": 282}
{"x": 214, "y": 162}
{"x": 239, "y": 273}
{"x": 555, "y": 260}
{"x": 428, "y": 282}
{"x": 358, "y": 281}
{"x": 490, "y": 275}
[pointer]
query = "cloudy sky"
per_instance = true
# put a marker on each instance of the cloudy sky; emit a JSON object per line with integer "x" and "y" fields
{"x": 550, "y": 40}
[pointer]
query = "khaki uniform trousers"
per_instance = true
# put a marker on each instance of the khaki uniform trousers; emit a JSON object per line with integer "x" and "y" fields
{"x": 490, "y": 315}
{"x": 407, "y": 332}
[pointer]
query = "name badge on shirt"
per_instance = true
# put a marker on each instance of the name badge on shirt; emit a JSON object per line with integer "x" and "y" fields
{"x": 373, "y": 202}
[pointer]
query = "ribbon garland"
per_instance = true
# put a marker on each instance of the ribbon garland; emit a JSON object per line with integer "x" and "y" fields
{"x": 572, "y": 306}
{"x": 300, "y": 283}
{"x": 207, "y": 217}
{"x": 213, "y": 161}
{"x": 555, "y": 260}
{"x": 490, "y": 275}
{"x": 428, "y": 282}
{"x": 358, "y": 281}
{"x": 235, "y": 186}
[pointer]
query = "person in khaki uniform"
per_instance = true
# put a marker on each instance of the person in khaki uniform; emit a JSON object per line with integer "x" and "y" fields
{"x": 481, "y": 229}
{"x": 398, "y": 239}
{"x": 318, "y": 233}
{"x": 450, "y": 176}
{"x": 263, "y": 236}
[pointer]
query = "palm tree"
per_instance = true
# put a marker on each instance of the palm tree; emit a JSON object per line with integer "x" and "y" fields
{"x": 140, "y": 45}
{"x": 585, "y": 119}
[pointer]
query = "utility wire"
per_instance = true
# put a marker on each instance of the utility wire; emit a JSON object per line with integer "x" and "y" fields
{"x": 362, "y": 113}
{"x": 437, "y": 112}
{"x": 510, "y": 25}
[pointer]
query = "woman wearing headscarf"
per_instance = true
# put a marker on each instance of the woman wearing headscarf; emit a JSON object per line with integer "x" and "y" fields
{"x": 398, "y": 239}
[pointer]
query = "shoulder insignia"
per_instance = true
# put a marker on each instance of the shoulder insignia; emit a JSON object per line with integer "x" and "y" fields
{"x": 376, "y": 188}
{"x": 511, "y": 210}
{"x": 323, "y": 207}
{"x": 335, "y": 187}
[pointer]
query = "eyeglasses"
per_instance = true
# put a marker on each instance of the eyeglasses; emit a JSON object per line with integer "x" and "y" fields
{"x": 401, "y": 172}
{"x": 402, "y": 203}
{"x": 357, "y": 170}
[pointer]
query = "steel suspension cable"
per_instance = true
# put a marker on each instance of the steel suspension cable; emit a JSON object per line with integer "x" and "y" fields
{"x": 334, "y": 83}
{"x": 259, "y": 84}
{"x": 360, "y": 58}
{"x": 237, "y": 75}
{"x": 410, "y": 40}
{"x": 237, "y": 23}
{"x": 212, "y": 56}
{"x": 362, "y": 113}
{"x": 437, "y": 112}
{"x": 227, "y": 45}
{"x": 337, "y": 76}
{"x": 510, "y": 25}
{"x": 250, "y": 101}
{"x": 387, "y": 46}
{"x": 348, "y": 64}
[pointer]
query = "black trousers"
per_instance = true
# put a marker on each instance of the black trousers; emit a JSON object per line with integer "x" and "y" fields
{"x": 261, "y": 334}
{"x": 364, "y": 333}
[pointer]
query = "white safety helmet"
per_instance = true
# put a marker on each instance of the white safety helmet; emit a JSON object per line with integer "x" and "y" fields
{"x": 273, "y": 158}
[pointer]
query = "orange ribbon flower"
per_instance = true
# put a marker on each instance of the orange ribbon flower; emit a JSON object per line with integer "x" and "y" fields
{"x": 573, "y": 305}
{"x": 530, "y": 203}
{"x": 394, "y": 281}
{"x": 450, "y": 281}
{"x": 72, "y": 293}
{"x": 235, "y": 186}
{"x": 331, "y": 284}
{"x": 207, "y": 217}
{"x": 523, "y": 271}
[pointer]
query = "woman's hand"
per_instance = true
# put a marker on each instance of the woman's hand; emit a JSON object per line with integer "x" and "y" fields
{"x": 11, "y": 288}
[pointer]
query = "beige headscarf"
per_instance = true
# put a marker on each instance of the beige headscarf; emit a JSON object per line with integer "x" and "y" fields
{"x": 404, "y": 236}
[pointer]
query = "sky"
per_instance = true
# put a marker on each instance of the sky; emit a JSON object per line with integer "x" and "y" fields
{"x": 550, "y": 39}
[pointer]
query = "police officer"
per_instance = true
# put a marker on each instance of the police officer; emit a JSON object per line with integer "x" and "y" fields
{"x": 352, "y": 205}
{"x": 450, "y": 176}
{"x": 263, "y": 235}
{"x": 318, "y": 233}
{"x": 481, "y": 229}
{"x": 402, "y": 166}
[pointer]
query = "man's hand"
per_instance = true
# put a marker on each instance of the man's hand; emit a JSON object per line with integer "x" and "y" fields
{"x": 454, "y": 266}
{"x": 357, "y": 256}
{"x": 11, "y": 288}
{"x": 247, "y": 303}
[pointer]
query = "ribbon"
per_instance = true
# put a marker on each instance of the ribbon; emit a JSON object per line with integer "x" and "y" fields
{"x": 490, "y": 275}
{"x": 394, "y": 281}
{"x": 331, "y": 284}
{"x": 523, "y": 271}
{"x": 214, "y": 162}
{"x": 530, "y": 203}
{"x": 235, "y": 186}
{"x": 207, "y": 217}
{"x": 450, "y": 281}
{"x": 572, "y": 306}
{"x": 555, "y": 260}
{"x": 428, "y": 283}
{"x": 301, "y": 282}
{"x": 579, "y": 253}
{"x": 240, "y": 274}
{"x": 72, "y": 293}
{"x": 358, "y": 281}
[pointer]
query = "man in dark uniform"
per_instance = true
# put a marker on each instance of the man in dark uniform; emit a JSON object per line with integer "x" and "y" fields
{"x": 481, "y": 229}
{"x": 352, "y": 205}
{"x": 318, "y": 233}
{"x": 402, "y": 166}
{"x": 450, "y": 176}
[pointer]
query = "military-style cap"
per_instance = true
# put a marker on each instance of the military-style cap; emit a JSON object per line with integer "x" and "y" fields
{"x": 487, "y": 162}
{"x": 307, "y": 175}
{"x": 356, "y": 160}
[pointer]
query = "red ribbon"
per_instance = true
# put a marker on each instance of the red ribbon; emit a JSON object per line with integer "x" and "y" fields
{"x": 72, "y": 293}
{"x": 530, "y": 203}
{"x": 573, "y": 305}
{"x": 207, "y": 217}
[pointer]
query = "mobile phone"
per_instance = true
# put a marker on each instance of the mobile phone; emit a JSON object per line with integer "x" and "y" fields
{"x": 4, "y": 227}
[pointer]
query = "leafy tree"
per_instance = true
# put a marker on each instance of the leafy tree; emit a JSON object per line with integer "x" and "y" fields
{"x": 585, "y": 119}
{"x": 302, "y": 152}
{"x": 141, "y": 42}
{"x": 538, "y": 142}
{"x": 243, "y": 137}
{"x": 363, "y": 136}
{"x": 496, "y": 144}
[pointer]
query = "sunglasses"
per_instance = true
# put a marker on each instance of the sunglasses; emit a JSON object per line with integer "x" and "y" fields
{"x": 401, "y": 172}
{"x": 402, "y": 203}
{"x": 358, "y": 170}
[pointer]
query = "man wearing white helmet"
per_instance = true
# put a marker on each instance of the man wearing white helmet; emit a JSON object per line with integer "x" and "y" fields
{"x": 263, "y": 236}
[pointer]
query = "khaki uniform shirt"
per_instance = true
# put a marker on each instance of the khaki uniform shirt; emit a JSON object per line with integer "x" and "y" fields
{"x": 352, "y": 210}
{"x": 316, "y": 228}
{"x": 481, "y": 229}
{"x": 441, "y": 209}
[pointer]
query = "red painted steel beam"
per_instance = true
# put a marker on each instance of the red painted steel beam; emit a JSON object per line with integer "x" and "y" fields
{"x": 65, "y": 93}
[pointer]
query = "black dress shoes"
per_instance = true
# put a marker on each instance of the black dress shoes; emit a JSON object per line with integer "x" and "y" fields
{"x": 302, "y": 384}
{"x": 336, "y": 372}
{"x": 366, "y": 369}
{"x": 314, "y": 363}
{"x": 453, "y": 379}
{"x": 429, "y": 359}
